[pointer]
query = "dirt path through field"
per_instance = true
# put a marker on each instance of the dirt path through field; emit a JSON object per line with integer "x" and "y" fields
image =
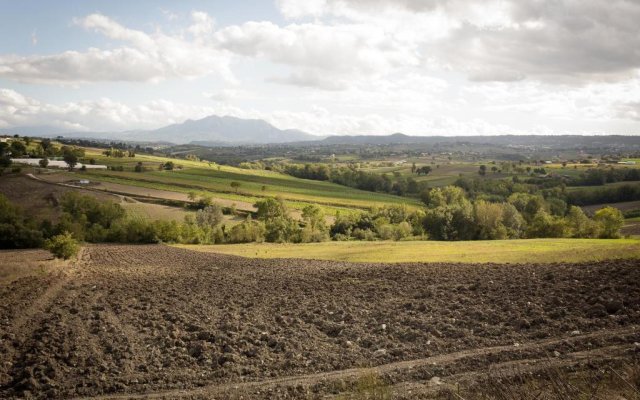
{"x": 162, "y": 322}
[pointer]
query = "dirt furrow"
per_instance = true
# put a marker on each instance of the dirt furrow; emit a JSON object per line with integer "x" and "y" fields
{"x": 441, "y": 361}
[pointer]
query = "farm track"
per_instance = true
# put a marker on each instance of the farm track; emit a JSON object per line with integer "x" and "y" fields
{"x": 162, "y": 322}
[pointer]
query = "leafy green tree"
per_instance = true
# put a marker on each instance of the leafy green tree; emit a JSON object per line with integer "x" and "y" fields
{"x": 313, "y": 216}
{"x": 544, "y": 225}
{"x": 63, "y": 246}
{"x": 210, "y": 216}
{"x": 17, "y": 148}
{"x": 16, "y": 230}
{"x": 610, "y": 220}
{"x": 450, "y": 214}
{"x": 513, "y": 221}
{"x": 581, "y": 226}
{"x": 281, "y": 230}
{"x": 528, "y": 204}
{"x": 44, "y": 162}
{"x": 235, "y": 185}
{"x": 247, "y": 231}
{"x": 489, "y": 220}
{"x": 271, "y": 208}
{"x": 482, "y": 170}
{"x": 71, "y": 159}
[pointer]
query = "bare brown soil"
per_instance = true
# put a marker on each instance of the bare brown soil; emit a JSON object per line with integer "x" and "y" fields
{"x": 162, "y": 322}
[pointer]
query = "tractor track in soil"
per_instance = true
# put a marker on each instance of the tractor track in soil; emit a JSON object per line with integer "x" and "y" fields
{"x": 520, "y": 365}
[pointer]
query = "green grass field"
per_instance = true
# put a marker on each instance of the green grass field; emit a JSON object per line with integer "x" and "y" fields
{"x": 254, "y": 184}
{"x": 496, "y": 251}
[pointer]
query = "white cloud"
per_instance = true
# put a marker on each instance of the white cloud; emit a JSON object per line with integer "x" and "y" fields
{"x": 94, "y": 115}
{"x": 143, "y": 57}
{"x": 558, "y": 41}
{"x": 315, "y": 49}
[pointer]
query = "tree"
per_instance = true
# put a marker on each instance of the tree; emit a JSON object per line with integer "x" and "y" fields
{"x": 489, "y": 220}
{"x": 424, "y": 170}
{"x": 62, "y": 246}
{"x": 482, "y": 170}
{"x": 44, "y": 162}
{"x": 513, "y": 221}
{"x": 494, "y": 169}
{"x": 247, "y": 231}
{"x": 315, "y": 229}
{"x": 580, "y": 225}
{"x": 413, "y": 168}
{"x": 139, "y": 167}
{"x": 18, "y": 149}
{"x": 610, "y": 220}
{"x": 192, "y": 195}
{"x": 282, "y": 229}
{"x": 210, "y": 216}
{"x": 271, "y": 208}
{"x": 544, "y": 225}
{"x": 235, "y": 185}
{"x": 71, "y": 159}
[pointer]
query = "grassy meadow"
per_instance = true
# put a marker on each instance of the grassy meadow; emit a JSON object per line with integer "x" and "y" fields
{"x": 495, "y": 251}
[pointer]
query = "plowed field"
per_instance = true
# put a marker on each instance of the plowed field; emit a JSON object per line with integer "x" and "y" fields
{"x": 163, "y": 322}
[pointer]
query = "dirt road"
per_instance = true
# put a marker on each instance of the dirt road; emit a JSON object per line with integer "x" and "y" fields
{"x": 161, "y": 322}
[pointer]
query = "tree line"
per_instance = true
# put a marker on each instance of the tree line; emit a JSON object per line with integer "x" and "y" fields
{"x": 450, "y": 215}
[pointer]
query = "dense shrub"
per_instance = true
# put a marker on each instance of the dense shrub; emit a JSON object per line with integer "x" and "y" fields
{"x": 62, "y": 246}
{"x": 247, "y": 231}
{"x": 16, "y": 230}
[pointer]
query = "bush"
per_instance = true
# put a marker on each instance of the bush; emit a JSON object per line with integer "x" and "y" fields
{"x": 247, "y": 231}
{"x": 62, "y": 246}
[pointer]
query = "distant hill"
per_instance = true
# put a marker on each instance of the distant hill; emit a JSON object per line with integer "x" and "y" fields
{"x": 214, "y": 130}
{"x": 211, "y": 131}
{"x": 568, "y": 141}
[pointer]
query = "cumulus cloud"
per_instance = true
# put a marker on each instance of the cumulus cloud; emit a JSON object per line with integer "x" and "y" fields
{"x": 559, "y": 41}
{"x": 142, "y": 57}
{"x": 102, "y": 114}
{"x": 346, "y": 50}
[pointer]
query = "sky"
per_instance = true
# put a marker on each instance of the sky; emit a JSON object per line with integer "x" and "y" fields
{"x": 420, "y": 67}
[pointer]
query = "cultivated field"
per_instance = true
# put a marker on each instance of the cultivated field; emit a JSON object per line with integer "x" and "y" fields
{"x": 254, "y": 184}
{"x": 162, "y": 322}
{"x": 492, "y": 251}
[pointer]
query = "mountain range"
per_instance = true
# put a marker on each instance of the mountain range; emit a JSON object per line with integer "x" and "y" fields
{"x": 229, "y": 131}
{"x": 209, "y": 131}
